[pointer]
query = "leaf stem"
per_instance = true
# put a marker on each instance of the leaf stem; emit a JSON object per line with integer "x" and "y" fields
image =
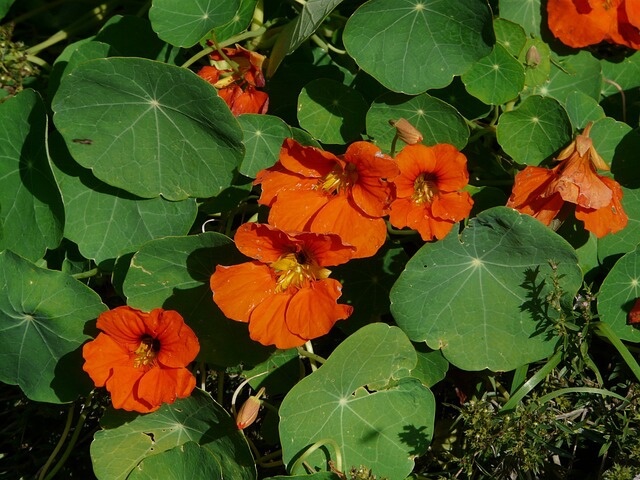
{"x": 88, "y": 274}
{"x": 316, "y": 446}
{"x": 307, "y": 351}
{"x": 58, "y": 447}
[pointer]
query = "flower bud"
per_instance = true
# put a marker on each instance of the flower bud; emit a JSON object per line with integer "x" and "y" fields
{"x": 532, "y": 58}
{"x": 406, "y": 132}
{"x": 249, "y": 410}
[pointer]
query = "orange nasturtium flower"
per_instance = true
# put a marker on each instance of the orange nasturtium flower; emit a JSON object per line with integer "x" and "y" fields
{"x": 142, "y": 357}
{"x": 428, "y": 196}
{"x": 237, "y": 85}
{"x": 285, "y": 293}
{"x": 542, "y": 192}
{"x": 579, "y": 23}
{"x": 310, "y": 189}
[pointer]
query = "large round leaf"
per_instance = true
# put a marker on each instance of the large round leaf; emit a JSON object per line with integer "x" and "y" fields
{"x": 128, "y": 438}
{"x": 263, "y": 137}
{"x": 618, "y": 294}
{"x": 411, "y": 46}
{"x": 188, "y": 460}
{"x": 533, "y": 131}
{"x": 31, "y": 213}
{"x": 438, "y": 121}
{"x": 106, "y": 222}
{"x": 481, "y": 298}
{"x": 174, "y": 273}
{"x": 184, "y": 22}
{"x": 43, "y": 314}
{"x": 148, "y": 128}
{"x": 383, "y": 426}
{"x": 496, "y": 78}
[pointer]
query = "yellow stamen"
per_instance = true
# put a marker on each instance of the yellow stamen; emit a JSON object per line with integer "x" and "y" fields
{"x": 338, "y": 179}
{"x": 296, "y": 270}
{"x": 424, "y": 188}
{"x": 147, "y": 352}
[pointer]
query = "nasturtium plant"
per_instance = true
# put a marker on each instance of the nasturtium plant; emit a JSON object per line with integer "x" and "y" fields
{"x": 319, "y": 239}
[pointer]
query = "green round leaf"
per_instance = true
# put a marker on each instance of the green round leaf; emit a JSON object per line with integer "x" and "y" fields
{"x": 620, "y": 88}
{"x": 188, "y": 460}
{"x": 331, "y": 111}
{"x": 263, "y": 137}
{"x": 431, "y": 367}
{"x": 523, "y": 12}
{"x": 31, "y": 212}
{"x": 438, "y": 121}
{"x": 184, "y": 22}
{"x": 581, "y": 72}
{"x": 537, "y": 70}
{"x": 399, "y": 42}
{"x": 496, "y": 78}
{"x": 43, "y": 315}
{"x": 332, "y": 403}
{"x": 582, "y": 109}
{"x": 148, "y": 128}
{"x": 618, "y": 294}
{"x": 107, "y": 222}
{"x": 128, "y": 439}
{"x": 510, "y": 35}
{"x": 238, "y": 23}
{"x": 174, "y": 273}
{"x": 480, "y": 298}
{"x": 534, "y": 130}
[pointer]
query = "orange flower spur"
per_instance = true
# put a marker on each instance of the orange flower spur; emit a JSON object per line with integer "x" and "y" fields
{"x": 237, "y": 85}
{"x": 428, "y": 196}
{"x": 141, "y": 357}
{"x": 542, "y": 192}
{"x": 285, "y": 293}
{"x": 313, "y": 190}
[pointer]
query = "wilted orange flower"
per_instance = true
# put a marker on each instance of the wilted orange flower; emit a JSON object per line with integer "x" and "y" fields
{"x": 542, "y": 192}
{"x": 237, "y": 83}
{"x": 285, "y": 294}
{"x": 141, "y": 357}
{"x": 310, "y": 189}
{"x": 579, "y": 23}
{"x": 428, "y": 196}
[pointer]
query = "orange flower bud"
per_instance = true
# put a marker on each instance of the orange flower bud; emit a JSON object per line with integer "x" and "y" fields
{"x": 249, "y": 410}
{"x": 406, "y": 132}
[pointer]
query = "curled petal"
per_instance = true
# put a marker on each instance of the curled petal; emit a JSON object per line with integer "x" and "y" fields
{"x": 530, "y": 184}
{"x": 313, "y": 311}
{"x": 609, "y": 219}
{"x": 264, "y": 242}
{"x": 238, "y": 289}
{"x": 268, "y": 325}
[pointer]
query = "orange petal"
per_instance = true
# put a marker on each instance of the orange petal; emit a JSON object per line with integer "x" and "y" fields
{"x": 210, "y": 74}
{"x": 413, "y": 160}
{"x": 326, "y": 249}
{"x": 579, "y": 183}
{"x": 545, "y": 209}
{"x": 164, "y": 385}
{"x": 451, "y": 206}
{"x": 609, "y": 219}
{"x": 277, "y": 179}
{"x": 578, "y": 24}
{"x": 238, "y": 289}
{"x": 123, "y": 386}
{"x": 267, "y": 324}
{"x": 101, "y": 355}
{"x": 179, "y": 346}
{"x": 372, "y": 196}
{"x": 343, "y": 218}
{"x": 451, "y": 168}
{"x": 250, "y": 101}
{"x": 293, "y": 210}
{"x": 124, "y": 324}
{"x": 310, "y": 162}
{"x": 264, "y": 242}
{"x": 531, "y": 184}
{"x": 313, "y": 311}
{"x": 400, "y": 211}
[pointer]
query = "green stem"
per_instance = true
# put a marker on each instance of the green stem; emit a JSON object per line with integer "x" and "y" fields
{"x": 88, "y": 274}
{"x": 310, "y": 355}
{"x": 58, "y": 447}
{"x": 74, "y": 438}
{"x": 202, "y": 53}
{"x": 316, "y": 446}
{"x": 604, "y": 330}
{"x": 532, "y": 382}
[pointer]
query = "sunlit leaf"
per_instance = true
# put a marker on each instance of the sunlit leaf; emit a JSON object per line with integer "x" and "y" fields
{"x": 481, "y": 298}
{"x": 510, "y": 35}
{"x": 148, "y": 128}
{"x": 311, "y": 17}
{"x": 128, "y": 439}
{"x": 582, "y": 109}
{"x": 263, "y": 137}
{"x": 43, "y": 316}
{"x": 188, "y": 460}
{"x": 332, "y": 403}
{"x": 184, "y": 22}
{"x": 399, "y": 42}
{"x": 523, "y": 12}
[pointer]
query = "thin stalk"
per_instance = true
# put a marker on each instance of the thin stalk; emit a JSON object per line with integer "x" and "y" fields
{"x": 74, "y": 438}
{"x": 56, "y": 450}
{"x": 604, "y": 330}
{"x": 316, "y": 446}
{"x": 532, "y": 382}
{"x": 307, "y": 351}
{"x": 88, "y": 274}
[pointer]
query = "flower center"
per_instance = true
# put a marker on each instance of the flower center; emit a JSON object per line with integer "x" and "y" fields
{"x": 424, "y": 188}
{"x": 339, "y": 179}
{"x": 297, "y": 270}
{"x": 147, "y": 352}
